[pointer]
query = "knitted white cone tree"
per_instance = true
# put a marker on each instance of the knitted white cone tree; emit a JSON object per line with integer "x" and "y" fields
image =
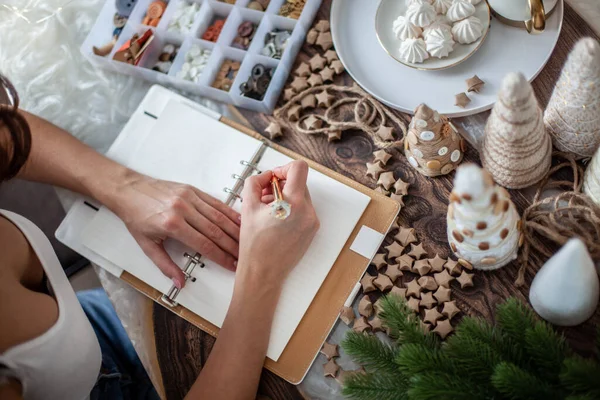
{"x": 517, "y": 151}
{"x": 572, "y": 117}
{"x": 483, "y": 223}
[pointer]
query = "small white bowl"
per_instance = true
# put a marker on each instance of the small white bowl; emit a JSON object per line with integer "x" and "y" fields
{"x": 387, "y": 13}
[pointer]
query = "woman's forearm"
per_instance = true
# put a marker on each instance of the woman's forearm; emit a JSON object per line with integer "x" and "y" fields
{"x": 235, "y": 363}
{"x": 59, "y": 159}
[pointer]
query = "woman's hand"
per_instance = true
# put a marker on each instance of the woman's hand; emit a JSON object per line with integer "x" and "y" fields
{"x": 270, "y": 248}
{"x": 155, "y": 210}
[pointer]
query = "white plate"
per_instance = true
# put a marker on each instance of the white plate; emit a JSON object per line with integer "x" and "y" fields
{"x": 387, "y": 13}
{"x": 505, "y": 50}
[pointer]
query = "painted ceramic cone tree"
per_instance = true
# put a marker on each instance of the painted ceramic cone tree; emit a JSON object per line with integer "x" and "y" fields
{"x": 565, "y": 290}
{"x": 483, "y": 223}
{"x": 432, "y": 145}
{"x": 572, "y": 117}
{"x": 591, "y": 180}
{"x": 517, "y": 151}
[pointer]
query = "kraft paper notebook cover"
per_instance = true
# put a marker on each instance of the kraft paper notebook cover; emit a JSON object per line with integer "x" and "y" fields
{"x": 315, "y": 291}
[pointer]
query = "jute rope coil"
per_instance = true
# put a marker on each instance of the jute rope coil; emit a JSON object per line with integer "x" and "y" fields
{"x": 368, "y": 114}
{"x": 558, "y": 218}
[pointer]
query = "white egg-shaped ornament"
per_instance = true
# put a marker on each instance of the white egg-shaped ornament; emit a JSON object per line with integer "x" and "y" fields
{"x": 565, "y": 291}
{"x": 432, "y": 145}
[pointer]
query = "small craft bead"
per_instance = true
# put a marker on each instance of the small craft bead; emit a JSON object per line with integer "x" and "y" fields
{"x": 455, "y": 156}
{"x": 465, "y": 263}
{"x": 434, "y": 165}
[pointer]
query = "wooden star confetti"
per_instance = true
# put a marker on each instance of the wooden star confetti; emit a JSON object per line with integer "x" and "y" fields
{"x": 386, "y": 179}
{"x": 327, "y": 74}
{"x": 401, "y": 187}
{"x": 395, "y": 225}
{"x": 317, "y": 63}
{"x": 293, "y": 113}
{"x": 331, "y": 55}
{"x": 437, "y": 263}
{"x": 394, "y": 250}
{"x": 315, "y": 80}
{"x": 398, "y": 198}
{"x": 337, "y": 66}
{"x": 432, "y": 316}
{"x": 324, "y": 99}
{"x": 452, "y": 267}
{"x": 382, "y": 156}
{"x": 461, "y": 100}
{"x": 442, "y": 294}
{"x": 443, "y": 278}
{"x": 330, "y": 369}
{"x": 381, "y": 190}
{"x": 383, "y": 282}
{"x": 422, "y": 267}
{"x": 365, "y": 307}
{"x": 377, "y": 307}
{"x": 330, "y": 350}
{"x": 308, "y": 101}
{"x": 413, "y": 304}
{"x": 347, "y": 315}
{"x": 393, "y": 272}
{"x": 334, "y": 135}
{"x": 428, "y": 283}
{"x": 427, "y": 300}
{"x": 299, "y": 84}
{"x": 374, "y": 170}
{"x": 465, "y": 279}
{"x": 398, "y": 291}
{"x": 385, "y": 133}
{"x": 288, "y": 93}
{"x": 361, "y": 325}
{"x": 376, "y": 324}
{"x": 417, "y": 251}
{"x": 406, "y": 262}
{"x": 379, "y": 261}
{"x": 443, "y": 328}
{"x": 311, "y": 36}
{"x": 474, "y": 84}
{"x": 303, "y": 70}
{"x": 406, "y": 236}
{"x": 322, "y": 26}
{"x": 413, "y": 288}
{"x": 313, "y": 122}
{"x": 274, "y": 130}
{"x": 450, "y": 309}
{"x": 367, "y": 283}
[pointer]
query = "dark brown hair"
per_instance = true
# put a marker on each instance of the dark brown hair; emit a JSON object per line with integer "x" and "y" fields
{"x": 15, "y": 135}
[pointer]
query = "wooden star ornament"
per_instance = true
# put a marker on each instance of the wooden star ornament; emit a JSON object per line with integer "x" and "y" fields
{"x": 379, "y": 261}
{"x": 274, "y": 130}
{"x": 327, "y": 74}
{"x": 413, "y": 288}
{"x": 299, "y": 84}
{"x": 442, "y": 294}
{"x": 361, "y": 325}
{"x": 382, "y": 156}
{"x": 437, "y": 263}
{"x": 427, "y": 300}
{"x": 432, "y": 316}
{"x": 406, "y": 262}
{"x": 401, "y": 187}
{"x": 383, "y": 282}
{"x": 450, "y": 309}
{"x": 330, "y": 369}
{"x": 303, "y": 70}
{"x": 330, "y": 350}
{"x": 334, "y": 135}
{"x": 393, "y": 272}
{"x": 394, "y": 250}
{"x": 386, "y": 179}
{"x": 374, "y": 170}
{"x": 324, "y": 99}
{"x": 422, "y": 267}
{"x": 443, "y": 328}
{"x": 347, "y": 315}
{"x": 443, "y": 278}
{"x": 385, "y": 133}
{"x": 417, "y": 251}
{"x": 317, "y": 63}
{"x": 406, "y": 236}
{"x": 465, "y": 279}
{"x": 365, "y": 307}
{"x": 413, "y": 303}
{"x": 312, "y": 122}
{"x": 367, "y": 283}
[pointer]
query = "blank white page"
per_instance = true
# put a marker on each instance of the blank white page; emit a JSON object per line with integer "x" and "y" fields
{"x": 186, "y": 146}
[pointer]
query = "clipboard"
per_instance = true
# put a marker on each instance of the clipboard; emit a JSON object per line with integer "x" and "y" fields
{"x": 340, "y": 285}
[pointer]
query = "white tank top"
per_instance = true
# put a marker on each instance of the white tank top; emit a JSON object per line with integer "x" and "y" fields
{"x": 64, "y": 362}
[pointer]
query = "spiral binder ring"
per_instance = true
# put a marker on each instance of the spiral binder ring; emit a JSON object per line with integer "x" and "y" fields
{"x": 236, "y": 176}
{"x": 193, "y": 261}
{"x": 251, "y": 166}
{"x": 232, "y": 193}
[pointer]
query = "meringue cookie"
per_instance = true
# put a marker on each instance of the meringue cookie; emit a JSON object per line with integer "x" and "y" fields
{"x": 442, "y": 6}
{"x": 474, "y": 2}
{"x": 459, "y": 10}
{"x": 440, "y": 22}
{"x": 421, "y": 14}
{"x": 414, "y": 50}
{"x": 468, "y": 30}
{"x": 439, "y": 43}
{"x": 404, "y": 29}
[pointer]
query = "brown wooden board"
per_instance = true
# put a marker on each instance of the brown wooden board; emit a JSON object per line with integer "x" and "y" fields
{"x": 183, "y": 348}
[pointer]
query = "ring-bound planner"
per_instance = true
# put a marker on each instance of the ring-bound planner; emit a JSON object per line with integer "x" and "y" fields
{"x": 171, "y": 138}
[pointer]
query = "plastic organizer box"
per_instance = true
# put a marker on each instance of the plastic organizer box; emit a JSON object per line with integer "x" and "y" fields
{"x": 222, "y": 50}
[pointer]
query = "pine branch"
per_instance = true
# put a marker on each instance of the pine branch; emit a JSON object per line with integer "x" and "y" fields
{"x": 415, "y": 359}
{"x": 375, "y": 386}
{"x": 484, "y": 332}
{"x": 516, "y": 383}
{"x": 581, "y": 376}
{"x": 547, "y": 351}
{"x": 403, "y": 323}
{"x": 440, "y": 386}
{"x": 514, "y": 318}
{"x": 475, "y": 359}
{"x": 371, "y": 352}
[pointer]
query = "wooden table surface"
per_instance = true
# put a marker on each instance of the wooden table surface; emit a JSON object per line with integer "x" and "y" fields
{"x": 181, "y": 349}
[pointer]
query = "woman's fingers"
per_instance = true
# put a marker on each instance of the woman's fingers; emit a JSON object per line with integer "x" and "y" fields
{"x": 229, "y": 212}
{"x": 218, "y": 218}
{"x": 159, "y": 256}
{"x": 188, "y": 235}
{"x": 213, "y": 232}
{"x": 253, "y": 189}
{"x": 295, "y": 174}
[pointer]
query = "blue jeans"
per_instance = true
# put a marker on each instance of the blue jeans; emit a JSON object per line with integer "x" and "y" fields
{"x": 122, "y": 375}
